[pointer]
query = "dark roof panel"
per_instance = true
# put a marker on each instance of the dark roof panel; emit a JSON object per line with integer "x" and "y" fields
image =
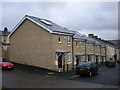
{"x": 50, "y": 25}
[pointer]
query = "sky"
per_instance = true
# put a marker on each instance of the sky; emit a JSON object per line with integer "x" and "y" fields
{"x": 98, "y": 18}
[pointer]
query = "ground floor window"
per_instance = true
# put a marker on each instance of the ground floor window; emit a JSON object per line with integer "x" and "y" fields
{"x": 69, "y": 58}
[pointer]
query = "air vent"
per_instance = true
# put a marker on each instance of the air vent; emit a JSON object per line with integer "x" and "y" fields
{"x": 46, "y": 22}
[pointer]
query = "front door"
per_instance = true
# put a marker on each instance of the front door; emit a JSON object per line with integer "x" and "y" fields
{"x": 102, "y": 59}
{"x": 77, "y": 60}
{"x": 89, "y": 59}
{"x": 60, "y": 61}
{"x": 96, "y": 59}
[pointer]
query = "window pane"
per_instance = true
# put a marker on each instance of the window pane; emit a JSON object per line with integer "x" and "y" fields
{"x": 76, "y": 44}
{"x": 68, "y": 40}
{"x": 59, "y": 38}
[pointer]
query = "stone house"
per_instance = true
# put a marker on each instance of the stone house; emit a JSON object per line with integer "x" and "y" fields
{"x": 41, "y": 43}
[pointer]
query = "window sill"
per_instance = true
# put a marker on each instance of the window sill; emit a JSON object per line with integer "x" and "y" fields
{"x": 59, "y": 42}
{"x": 68, "y": 45}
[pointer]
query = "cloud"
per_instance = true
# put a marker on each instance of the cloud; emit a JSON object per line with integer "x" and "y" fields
{"x": 103, "y": 34}
{"x": 99, "y": 17}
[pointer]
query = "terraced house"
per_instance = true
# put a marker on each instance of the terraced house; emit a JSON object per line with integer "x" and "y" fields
{"x": 79, "y": 48}
{"x": 108, "y": 49}
{"x": 4, "y": 42}
{"x": 41, "y": 43}
{"x": 87, "y": 49}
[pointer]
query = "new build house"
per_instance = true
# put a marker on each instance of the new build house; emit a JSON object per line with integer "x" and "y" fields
{"x": 42, "y": 43}
{"x": 79, "y": 48}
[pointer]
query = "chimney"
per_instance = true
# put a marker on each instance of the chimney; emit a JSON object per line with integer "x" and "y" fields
{"x": 95, "y": 37}
{"x": 91, "y": 35}
{"x": 99, "y": 39}
{"x": 102, "y": 40}
{"x": 5, "y": 30}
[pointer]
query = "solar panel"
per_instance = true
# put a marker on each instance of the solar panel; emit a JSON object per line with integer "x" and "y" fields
{"x": 46, "y": 22}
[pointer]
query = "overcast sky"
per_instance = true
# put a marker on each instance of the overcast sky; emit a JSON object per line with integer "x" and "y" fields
{"x": 98, "y": 18}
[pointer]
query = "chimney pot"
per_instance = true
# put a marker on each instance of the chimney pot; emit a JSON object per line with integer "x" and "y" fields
{"x": 95, "y": 37}
{"x": 91, "y": 35}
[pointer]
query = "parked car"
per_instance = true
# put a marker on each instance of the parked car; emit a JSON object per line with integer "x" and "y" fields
{"x": 89, "y": 68}
{"x": 118, "y": 61}
{"x": 110, "y": 63}
{"x": 5, "y": 64}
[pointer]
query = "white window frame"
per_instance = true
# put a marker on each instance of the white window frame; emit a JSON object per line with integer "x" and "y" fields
{"x": 68, "y": 41}
{"x": 59, "y": 38}
{"x": 77, "y": 44}
{"x": 5, "y": 47}
{"x": 69, "y": 55}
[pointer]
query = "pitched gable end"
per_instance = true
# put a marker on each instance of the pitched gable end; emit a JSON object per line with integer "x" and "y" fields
{"x": 24, "y": 18}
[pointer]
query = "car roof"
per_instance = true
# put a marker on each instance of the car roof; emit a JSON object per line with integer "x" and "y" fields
{"x": 87, "y": 62}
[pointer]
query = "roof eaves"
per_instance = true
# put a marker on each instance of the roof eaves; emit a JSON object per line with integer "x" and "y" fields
{"x": 63, "y": 33}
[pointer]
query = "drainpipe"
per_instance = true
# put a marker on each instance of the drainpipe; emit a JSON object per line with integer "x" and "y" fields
{"x": 85, "y": 51}
{"x": 94, "y": 52}
{"x": 100, "y": 54}
{"x": 72, "y": 54}
{"x": 105, "y": 53}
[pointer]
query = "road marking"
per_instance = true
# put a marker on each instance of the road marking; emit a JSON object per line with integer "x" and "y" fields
{"x": 74, "y": 76}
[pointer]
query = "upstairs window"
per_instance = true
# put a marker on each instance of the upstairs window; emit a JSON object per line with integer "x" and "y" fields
{"x": 88, "y": 45}
{"x": 83, "y": 45}
{"x": 76, "y": 44}
{"x": 59, "y": 39}
{"x": 68, "y": 41}
{"x": 4, "y": 40}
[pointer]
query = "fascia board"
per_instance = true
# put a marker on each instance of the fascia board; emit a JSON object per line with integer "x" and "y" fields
{"x": 62, "y": 33}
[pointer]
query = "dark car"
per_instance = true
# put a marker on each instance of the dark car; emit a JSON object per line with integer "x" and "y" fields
{"x": 89, "y": 68}
{"x": 118, "y": 61}
{"x": 110, "y": 63}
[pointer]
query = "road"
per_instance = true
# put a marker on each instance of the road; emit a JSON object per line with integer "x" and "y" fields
{"x": 106, "y": 76}
{"x": 22, "y": 78}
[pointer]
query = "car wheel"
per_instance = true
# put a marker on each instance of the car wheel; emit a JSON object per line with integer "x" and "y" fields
{"x": 96, "y": 73}
{"x": 90, "y": 74}
{"x": 77, "y": 73}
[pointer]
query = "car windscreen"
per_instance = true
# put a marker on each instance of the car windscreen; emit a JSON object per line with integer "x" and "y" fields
{"x": 85, "y": 64}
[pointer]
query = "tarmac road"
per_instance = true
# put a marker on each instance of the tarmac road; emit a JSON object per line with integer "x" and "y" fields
{"x": 19, "y": 78}
{"x": 106, "y": 76}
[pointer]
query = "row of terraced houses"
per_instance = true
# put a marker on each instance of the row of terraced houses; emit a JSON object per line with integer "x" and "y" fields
{"x": 42, "y": 43}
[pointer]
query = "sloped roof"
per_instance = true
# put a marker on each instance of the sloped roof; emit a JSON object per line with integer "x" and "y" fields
{"x": 81, "y": 37}
{"x": 114, "y": 41}
{"x": 53, "y": 26}
{"x": 46, "y": 24}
